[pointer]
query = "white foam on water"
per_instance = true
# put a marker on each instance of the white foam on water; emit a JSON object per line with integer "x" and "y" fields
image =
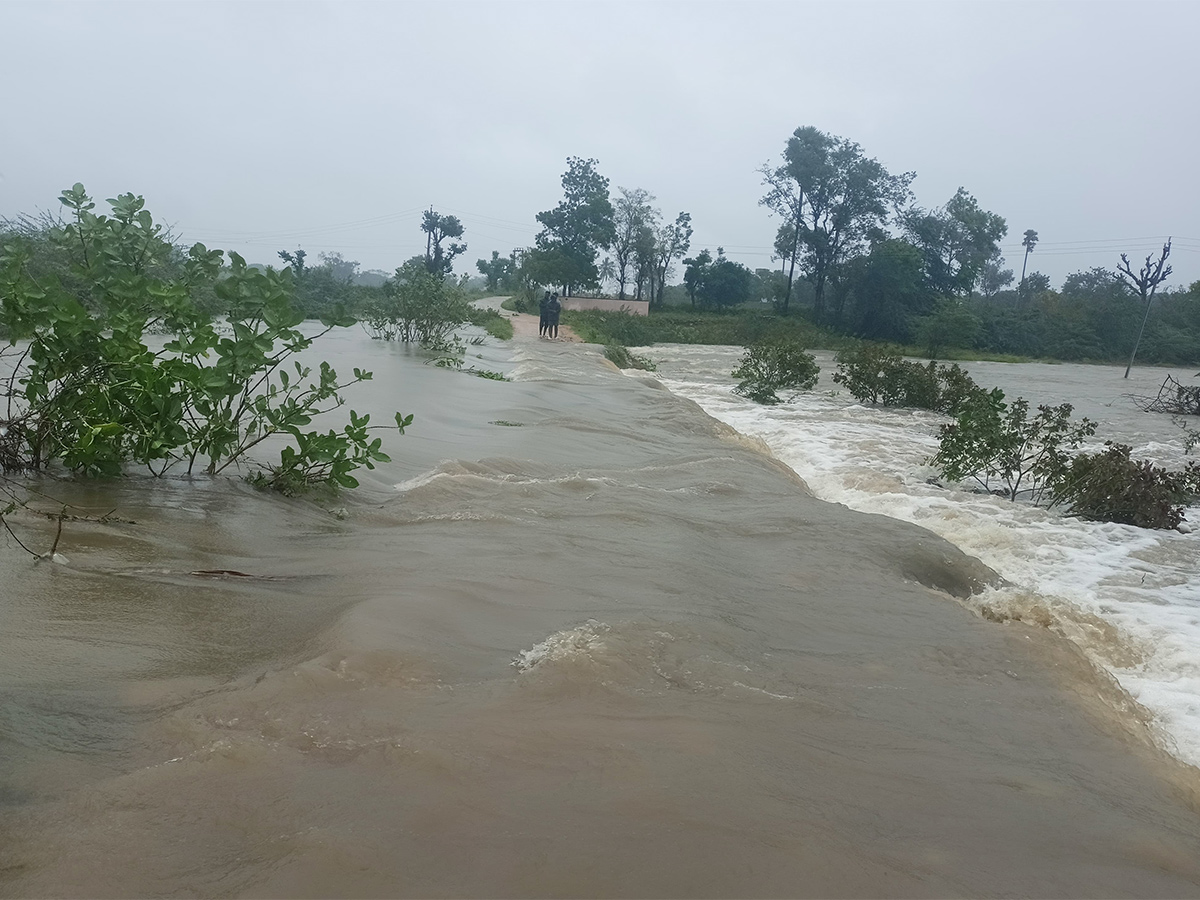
{"x": 1142, "y": 582}
{"x": 457, "y": 474}
{"x": 583, "y": 640}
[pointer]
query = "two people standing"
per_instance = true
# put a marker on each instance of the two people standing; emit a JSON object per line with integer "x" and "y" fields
{"x": 550, "y": 309}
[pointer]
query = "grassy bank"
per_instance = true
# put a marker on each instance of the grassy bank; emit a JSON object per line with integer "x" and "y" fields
{"x": 688, "y": 327}
{"x": 737, "y": 328}
{"x": 498, "y": 326}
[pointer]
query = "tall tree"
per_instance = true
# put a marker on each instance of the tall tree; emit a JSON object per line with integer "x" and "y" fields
{"x": 1028, "y": 242}
{"x": 888, "y": 290}
{"x": 834, "y": 197}
{"x": 786, "y": 199}
{"x": 671, "y": 242}
{"x": 726, "y": 283}
{"x": 1151, "y": 275}
{"x": 956, "y": 240}
{"x": 295, "y": 261}
{"x": 341, "y": 270}
{"x": 643, "y": 260}
{"x": 993, "y": 277}
{"x": 694, "y": 273}
{"x": 495, "y": 270}
{"x": 632, "y": 213}
{"x": 575, "y": 230}
{"x": 607, "y": 271}
{"x": 439, "y": 260}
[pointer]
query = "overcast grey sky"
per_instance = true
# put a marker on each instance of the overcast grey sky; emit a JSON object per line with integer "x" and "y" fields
{"x": 330, "y": 126}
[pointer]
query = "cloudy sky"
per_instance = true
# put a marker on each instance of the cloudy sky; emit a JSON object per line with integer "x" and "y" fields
{"x": 330, "y": 126}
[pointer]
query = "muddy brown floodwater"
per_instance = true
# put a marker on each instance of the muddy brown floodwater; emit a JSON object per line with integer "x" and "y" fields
{"x": 578, "y": 639}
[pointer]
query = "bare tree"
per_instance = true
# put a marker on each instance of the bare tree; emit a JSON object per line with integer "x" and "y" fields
{"x": 786, "y": 199}
{"x": 1147, "y": 280}
{"x": 671, "y": 242}
{"x": 632, "y": 213}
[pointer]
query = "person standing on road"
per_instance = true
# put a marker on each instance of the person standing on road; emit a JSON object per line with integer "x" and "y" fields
{"x": 544, "y": 317}
{"x": 554, "y": 310}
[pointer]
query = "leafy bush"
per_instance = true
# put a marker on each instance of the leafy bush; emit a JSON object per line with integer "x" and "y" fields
{"x": 621, "y": 358}
{"x": 956, "y": 387}
{"x": 1111, "y": 487}
{"x": 1191, "y": 436}
{"x": 89, "y": 393}
{"x": 874, "y": 374}
{"x": 327, "y": 459}
{"x": 417, "y": 307}
{"x": 992, "y": 441}
{"x": 774, "y": 364}
{"x": 949, "y": 325}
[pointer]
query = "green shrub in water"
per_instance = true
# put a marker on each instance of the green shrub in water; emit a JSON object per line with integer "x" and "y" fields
{"x": 874, "y": 374}
{"x": 90, "y": 393}
{"x": 1007, "y": 452}
{"x": 1109, "y": 486}
{"x": 772, "y": 365}
{"x": 620, "y": 357}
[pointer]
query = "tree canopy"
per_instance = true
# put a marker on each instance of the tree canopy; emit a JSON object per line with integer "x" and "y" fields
{"x": 439, "y": 260}
{"x": 957, "y": 241}
{"x": 835, "y": 198}
{"x": 576, "y": 229}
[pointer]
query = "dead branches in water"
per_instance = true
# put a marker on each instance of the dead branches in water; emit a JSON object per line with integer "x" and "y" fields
{"x": 1173, "y": 397}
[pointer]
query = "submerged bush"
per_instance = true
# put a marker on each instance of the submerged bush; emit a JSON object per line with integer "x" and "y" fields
{"x": 1111, "y": 487}
{"x": 874, "y": 374}
{"x": 998, "y": 445}
{"x": 88, "y": 392}
{"x": 620, "y": 357}
{"x": 775, "y": 364}
{"x": 417, "y": 307}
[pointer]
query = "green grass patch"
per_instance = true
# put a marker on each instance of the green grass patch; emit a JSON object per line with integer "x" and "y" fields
{"x": 961, "y": 354}
{"x": 498, "y": 326}
{"x": 695, "y": 327}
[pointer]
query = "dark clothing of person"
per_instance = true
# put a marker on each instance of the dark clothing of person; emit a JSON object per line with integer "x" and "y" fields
{"x": 544, "y": 317}
{"x": 553, "y": 311}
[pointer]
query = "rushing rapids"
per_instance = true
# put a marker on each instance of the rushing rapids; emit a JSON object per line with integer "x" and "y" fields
{"x": 1130, "y": 597}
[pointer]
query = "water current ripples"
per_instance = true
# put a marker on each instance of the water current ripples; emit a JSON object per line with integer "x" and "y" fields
{"x": 1129, "y": 596}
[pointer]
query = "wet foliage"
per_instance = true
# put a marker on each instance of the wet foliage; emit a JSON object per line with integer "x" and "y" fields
{"x": 620, "y": 357}
{"x": 417, "y": 306}
{"x": 874, "y": 374}
{"x": 1110, "y": 486}
{"x": 91, "y": 388}
{"x": 1005, "y": 450}
{"x": 773, "y": 365}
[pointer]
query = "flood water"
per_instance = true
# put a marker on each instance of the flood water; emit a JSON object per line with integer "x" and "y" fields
{"x": 578, "y": 639}
{"x": 1129, "y": 597}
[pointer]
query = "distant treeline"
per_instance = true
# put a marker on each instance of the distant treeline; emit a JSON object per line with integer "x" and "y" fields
{"x": 1092, "y": 316}
{"x": 858, "y": 258}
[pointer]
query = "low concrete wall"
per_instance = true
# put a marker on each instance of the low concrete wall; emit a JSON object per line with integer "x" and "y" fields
{"x": 633, "y": 307}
